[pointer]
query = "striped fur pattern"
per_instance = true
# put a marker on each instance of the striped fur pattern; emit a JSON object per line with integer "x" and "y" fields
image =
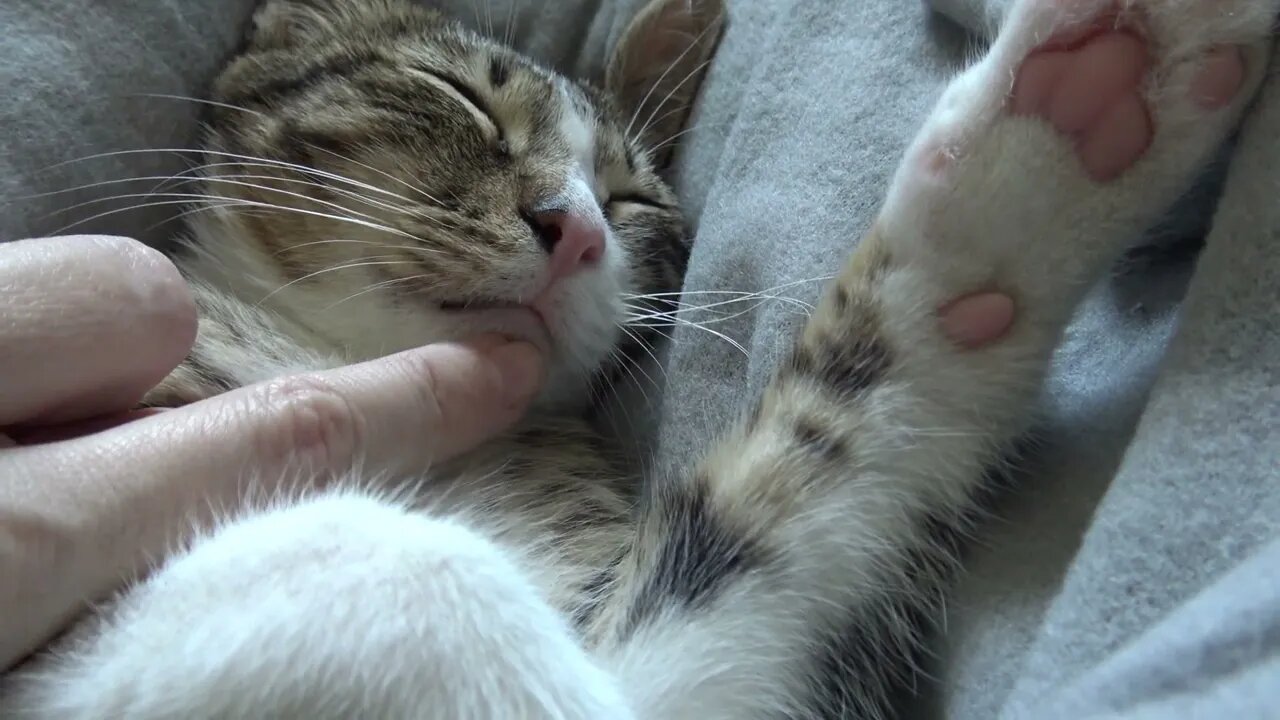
{"x": 787, "y": 575}
{"x": 372, "y": 173}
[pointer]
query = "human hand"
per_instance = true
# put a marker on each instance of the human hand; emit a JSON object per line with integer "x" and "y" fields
{"x": 90, "y": 489}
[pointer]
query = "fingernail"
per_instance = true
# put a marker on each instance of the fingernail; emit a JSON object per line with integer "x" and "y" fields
{"x": 521, "y": 366}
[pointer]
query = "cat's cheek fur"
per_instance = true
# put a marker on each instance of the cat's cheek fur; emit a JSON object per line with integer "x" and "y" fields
{"x": 585, "y": 318}
{"x": 331, "y": 320}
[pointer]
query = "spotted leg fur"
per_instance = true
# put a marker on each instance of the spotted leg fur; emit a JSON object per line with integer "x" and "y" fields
{"x": 817, "y": 523}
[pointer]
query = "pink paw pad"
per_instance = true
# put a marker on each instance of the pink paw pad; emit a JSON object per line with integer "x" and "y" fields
{"x": 977, "y": 320}
{"x": 1088, "y": 86}
{"x": 1088, "y": 83}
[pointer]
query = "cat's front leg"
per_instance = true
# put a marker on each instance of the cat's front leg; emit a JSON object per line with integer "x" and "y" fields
{"x": 789, "y": 574}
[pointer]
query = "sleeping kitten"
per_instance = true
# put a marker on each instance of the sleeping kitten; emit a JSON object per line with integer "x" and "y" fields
{"x": 460, "y": 187}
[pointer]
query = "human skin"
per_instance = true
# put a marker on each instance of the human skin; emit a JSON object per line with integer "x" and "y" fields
{"x": 92, "y": 490}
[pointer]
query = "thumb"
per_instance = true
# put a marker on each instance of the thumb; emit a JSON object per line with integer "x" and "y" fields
{"x": 475, "y": 390}
{"x": 399, "y": 414}
{"x": 433, "y": 403}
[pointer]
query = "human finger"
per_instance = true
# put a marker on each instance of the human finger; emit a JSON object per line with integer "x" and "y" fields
{"x": 90, "y": 324}
{"x": 81, "y": 514}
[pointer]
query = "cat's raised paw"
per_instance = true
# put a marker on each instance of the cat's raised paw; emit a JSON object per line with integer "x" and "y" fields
{"x": 1042, "y": 161}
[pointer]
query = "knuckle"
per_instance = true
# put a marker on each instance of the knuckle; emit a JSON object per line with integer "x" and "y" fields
{"x": 308, "y": 422}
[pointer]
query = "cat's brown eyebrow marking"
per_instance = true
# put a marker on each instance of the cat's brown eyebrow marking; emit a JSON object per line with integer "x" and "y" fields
{"x": 306, "y": 78}
{"x": 499, "y": 71}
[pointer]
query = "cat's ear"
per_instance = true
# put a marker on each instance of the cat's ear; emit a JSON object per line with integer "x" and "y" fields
{"x": 288, "y": 23}
{"x": 658, "y": 66}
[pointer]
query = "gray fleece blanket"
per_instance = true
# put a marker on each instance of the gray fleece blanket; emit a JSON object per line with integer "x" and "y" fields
{"x": 1130, "y": 574}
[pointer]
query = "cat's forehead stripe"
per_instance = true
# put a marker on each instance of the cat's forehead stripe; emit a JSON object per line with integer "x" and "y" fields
{"x": 579, "y": 133}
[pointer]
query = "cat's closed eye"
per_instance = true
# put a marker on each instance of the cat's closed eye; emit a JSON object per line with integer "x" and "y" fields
{"x": 464, "y": 95}
{"x": 634, "y": 199}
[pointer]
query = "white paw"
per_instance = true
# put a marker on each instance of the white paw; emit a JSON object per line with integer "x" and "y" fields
{"x": 1086, "y": 119}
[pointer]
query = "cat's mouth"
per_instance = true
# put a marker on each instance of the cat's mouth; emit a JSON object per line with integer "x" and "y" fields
{"x": 519, "y": 319}
{"x": 479, "y": 304}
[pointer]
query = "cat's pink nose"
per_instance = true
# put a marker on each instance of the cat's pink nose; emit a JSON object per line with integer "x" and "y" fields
{"x": 575, "y": 240}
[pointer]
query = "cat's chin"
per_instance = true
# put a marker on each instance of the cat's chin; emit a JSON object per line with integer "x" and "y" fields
{"x": 518, "y": 322}
{"x": 575, "y": 343}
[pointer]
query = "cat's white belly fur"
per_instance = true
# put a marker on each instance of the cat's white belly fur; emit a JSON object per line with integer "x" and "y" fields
{"x": 339, "y": 606}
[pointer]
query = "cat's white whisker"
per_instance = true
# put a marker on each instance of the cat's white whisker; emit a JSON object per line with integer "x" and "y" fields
{"x": 720, "y": 318}
{"x": 697, "y": 43}
{"x": 132, "y": 208}
{"x": 676, "y": 136}
{"x": 509, "y": 32}
{"x": 641, "y": 310}
{"x": 195, "y": 210}
{"x": 372, "y": 202}
{"x": 86, "y": 186}
{"x": 376, "y": 287}
{"x": 332, "y": 268}
{"x": 627, "y": 364}
{"x": 610, "y": 389}
{"x": 334, "y": 241}
{"x": 180, "y": 180}
{"x": 379, "y": 171}
{"x": 711, "y": 307}
{"x": 409, "y": 208}
{"x": 644, "y": 346}
{"x": 239, "y": 183}
{"x": 267, "y": 163}
{"x": 199, "y": 101}
{"x": 774, "y": 289}
{"x": 653, "y": 115}
{"x": 681, "y": 322}
{"x": 218, "y": 153}
{"x": 191, "y": 198}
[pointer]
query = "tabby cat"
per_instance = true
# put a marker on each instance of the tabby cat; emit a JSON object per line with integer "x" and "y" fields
{"x": 463, "y": 187}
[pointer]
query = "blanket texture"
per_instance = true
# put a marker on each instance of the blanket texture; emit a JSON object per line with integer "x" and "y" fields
{"x": 1130, "y": 573}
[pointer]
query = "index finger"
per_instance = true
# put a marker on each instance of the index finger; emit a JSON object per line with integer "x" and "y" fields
{"x": 90, "y": 324}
